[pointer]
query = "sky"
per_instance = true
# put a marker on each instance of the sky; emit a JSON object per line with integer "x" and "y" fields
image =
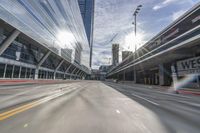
{"x": 113, "y": 24}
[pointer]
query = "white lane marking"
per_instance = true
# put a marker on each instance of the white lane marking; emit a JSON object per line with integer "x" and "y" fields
{"x": 145, "y": 99}
{"x": 190, "y": 103}
{"x": 117, "y": 111}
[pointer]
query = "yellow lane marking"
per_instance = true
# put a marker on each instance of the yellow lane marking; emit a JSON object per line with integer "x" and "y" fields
{"x": 25, "y": 107}
{"x": 18, "y": 111}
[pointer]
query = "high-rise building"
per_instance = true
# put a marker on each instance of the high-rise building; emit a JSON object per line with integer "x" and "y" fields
{"x": 78, "y": 54}
{"x": 125, "y": 54}
{"x": 115, "y": 54}
{"x": 87, "y": 12}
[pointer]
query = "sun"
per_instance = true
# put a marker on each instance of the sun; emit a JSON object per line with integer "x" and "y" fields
{"x": 131, "y": 41}
{"x": 65, "y": 38}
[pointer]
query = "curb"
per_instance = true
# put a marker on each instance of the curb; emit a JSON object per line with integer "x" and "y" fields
{"x": 188, "y": 92}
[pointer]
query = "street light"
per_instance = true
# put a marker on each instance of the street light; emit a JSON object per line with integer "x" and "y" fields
{"x": 135, "y": 23}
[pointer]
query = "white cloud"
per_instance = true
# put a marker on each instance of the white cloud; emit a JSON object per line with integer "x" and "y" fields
{"x": 176, "y": 15}
{"x": 163, "y": 4}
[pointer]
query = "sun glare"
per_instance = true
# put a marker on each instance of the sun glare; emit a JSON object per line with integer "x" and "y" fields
{"x": 65, "y": 38}
{"x": 131, "y": 41}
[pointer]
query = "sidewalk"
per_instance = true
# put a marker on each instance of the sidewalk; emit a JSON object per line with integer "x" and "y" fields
{"x": 187, "y": 91}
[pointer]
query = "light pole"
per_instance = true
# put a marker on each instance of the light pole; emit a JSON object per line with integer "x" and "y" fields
{"x": 135, "y": 24}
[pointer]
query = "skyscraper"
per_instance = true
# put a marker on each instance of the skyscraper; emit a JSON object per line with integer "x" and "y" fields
{"x": 87, "y": 12}
{"x": 115, "y": 54}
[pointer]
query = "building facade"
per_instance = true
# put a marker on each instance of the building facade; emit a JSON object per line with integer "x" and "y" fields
{"x": 41, "y": 42}
{"x": 87, "y": 8}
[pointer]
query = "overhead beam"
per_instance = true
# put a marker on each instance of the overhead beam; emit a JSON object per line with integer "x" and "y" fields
{"x": 8, "y": 41}
{"x": 58, "y": 66}
{"x": 71, "y": 74}
{"x": 68, "y": 68}
{"x": 43, "y": 58}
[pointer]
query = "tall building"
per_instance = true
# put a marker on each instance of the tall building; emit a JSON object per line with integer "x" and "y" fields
{"x": 115, "y": 54}
{"x": 78, "y": 54}
{"x": 87, "y": 12}
{"x": 125, "y": 54}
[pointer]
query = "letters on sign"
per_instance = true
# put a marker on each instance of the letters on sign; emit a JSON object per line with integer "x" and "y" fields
{"x": 189, "y": 66}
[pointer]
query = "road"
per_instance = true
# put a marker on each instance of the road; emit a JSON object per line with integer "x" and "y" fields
{"x": 96, "y": 107}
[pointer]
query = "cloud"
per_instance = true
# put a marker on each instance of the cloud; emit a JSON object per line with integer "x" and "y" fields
{"x": 177, "y": 14}
{"x": 163, "y": 4}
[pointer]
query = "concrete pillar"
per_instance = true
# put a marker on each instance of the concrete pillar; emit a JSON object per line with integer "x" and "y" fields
{"x": 174, "y": 77}
{"x": 135, "y": 76}
{"x": 124, "y": 75}
{"x": 54, "y": 75}
{"x": 8, "y": 41}
{"x": 20, "y": 69}
{"x": 36, "y": 73}
{"x": 13, "y": 70}
{"x": 47, "y": 74}
{"x": 163, "y": 74}
{"x": 26, "y": 73}
{"x": 4, "y": 73}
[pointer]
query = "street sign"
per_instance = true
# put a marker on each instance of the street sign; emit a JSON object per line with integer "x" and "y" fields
{"x": 188, "y": 66}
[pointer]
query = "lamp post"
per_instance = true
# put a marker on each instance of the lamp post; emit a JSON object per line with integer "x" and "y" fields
{"x": 135, "y": 23}
{"x": 135, "y": 26}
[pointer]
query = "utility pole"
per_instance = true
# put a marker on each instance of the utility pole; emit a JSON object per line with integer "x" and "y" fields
{"x": 135, "y": 24}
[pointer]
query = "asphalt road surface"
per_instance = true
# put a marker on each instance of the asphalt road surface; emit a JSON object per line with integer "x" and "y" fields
{"x": 96, "y": 107}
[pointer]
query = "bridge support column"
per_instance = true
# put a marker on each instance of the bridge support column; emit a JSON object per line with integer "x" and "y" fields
{"x": 163, "y": 75}
{"x": 124, "y": 76}
{"x": 174, "y": 77}
{"x": 135, "y": 76}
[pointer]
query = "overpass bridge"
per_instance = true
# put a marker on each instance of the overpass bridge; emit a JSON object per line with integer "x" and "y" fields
{"x": 161, "y": 60}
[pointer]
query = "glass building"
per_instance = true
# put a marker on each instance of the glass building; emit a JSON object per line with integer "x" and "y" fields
{"x": 87, "y": 12}
{"x": 44, "y": 36}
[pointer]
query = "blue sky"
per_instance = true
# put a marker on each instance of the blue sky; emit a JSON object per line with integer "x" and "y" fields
{"x": 113, "y": 20}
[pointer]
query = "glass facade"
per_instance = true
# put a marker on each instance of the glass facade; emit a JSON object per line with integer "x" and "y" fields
{"x": 55, "y": 24}
{"x": 87, "y": 12}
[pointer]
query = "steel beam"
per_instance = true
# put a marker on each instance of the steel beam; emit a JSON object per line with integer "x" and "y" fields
{"x": 43, "y": 59}
{"x": 72, "y": 72}
{"x": 6, "y": 43}
{"x": 58, "y": 66}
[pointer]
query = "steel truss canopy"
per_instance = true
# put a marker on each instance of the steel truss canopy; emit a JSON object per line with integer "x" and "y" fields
{"x": 55, "y": 24}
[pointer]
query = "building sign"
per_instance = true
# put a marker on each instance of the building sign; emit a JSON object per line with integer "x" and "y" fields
{"x": 189, "y": 66}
